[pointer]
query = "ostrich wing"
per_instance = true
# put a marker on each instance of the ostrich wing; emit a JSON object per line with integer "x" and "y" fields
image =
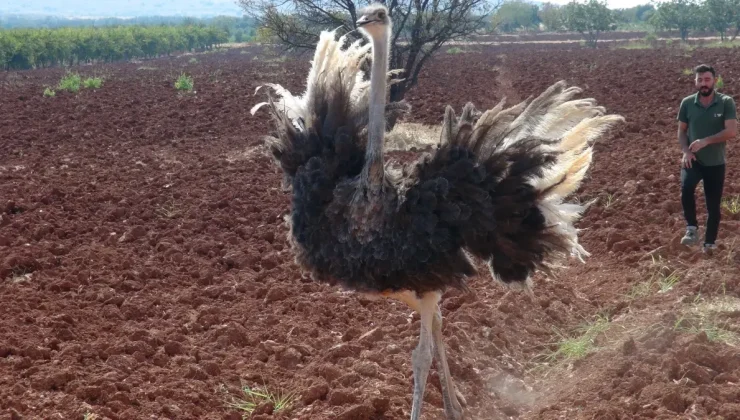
{"x": 506, "y": 173}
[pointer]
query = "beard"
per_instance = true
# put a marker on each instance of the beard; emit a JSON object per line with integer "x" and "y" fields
{"x": 706, "y": 91}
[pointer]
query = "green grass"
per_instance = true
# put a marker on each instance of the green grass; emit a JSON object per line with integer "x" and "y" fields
{"x": 731, "y": 204}
{"x": 184, "y": 82}
{"x": 714, "y": 331}
{"x": 93, "y": 83}
{"x": 725, "y": 44}
{"x": 251, "y": 398}
{"x": 455, "y": 50}
{"x": 713, "y": 328}
{"x": 667, "y": 281}
{"x": 640, "y": 290}
{"x": 719, "y": 83}
{"x": 635, "y": 45}
{"x": 169, "y": 210}
{"x": 609, "y": 200}
{"x": 661, "y": 276}
{"x": 731, "y": 252}
{"x": 70, "y": 82}
{"x": 580, "y": 345}
{"x": 704, "y": 316}
{"x": 272, "y": 62}
{"x": 49, "y": 92}
{"x": 73, "y": 82}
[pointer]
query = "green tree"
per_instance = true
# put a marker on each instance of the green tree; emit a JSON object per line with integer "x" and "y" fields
{"x": 736, "y": 19}
{"x": 589, "y": 19}
{"x": 36, "y": 48}
{"x": 723, "y": 15}
{"x": 8, "y": 47}
{"x": 551, "y": 16}
{"x": 636, "y": 16}
{"x": 681, "y": 15}
{"x": 514, "y": 15}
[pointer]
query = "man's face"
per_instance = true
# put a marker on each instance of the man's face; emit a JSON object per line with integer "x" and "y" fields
{"x": 705, "y": 83}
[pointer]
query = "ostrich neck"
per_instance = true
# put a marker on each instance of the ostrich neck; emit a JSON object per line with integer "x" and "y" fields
{"x": 373, "y": 171}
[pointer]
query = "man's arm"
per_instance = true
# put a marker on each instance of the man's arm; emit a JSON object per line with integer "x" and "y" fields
{"x": 683, "y": 137}
{"x": 683, "y": 125}
{"x": 728, "y": 133}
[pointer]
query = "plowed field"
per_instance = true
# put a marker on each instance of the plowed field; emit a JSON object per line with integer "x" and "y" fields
{"x": 145, "y": 272}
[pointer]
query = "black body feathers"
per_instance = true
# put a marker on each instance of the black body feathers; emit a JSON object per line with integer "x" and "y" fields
{"x": 492, "y": 189}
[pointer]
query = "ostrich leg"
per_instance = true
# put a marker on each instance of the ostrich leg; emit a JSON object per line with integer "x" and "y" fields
{"x": 421, "y": 357}
{"x": 453, "y": 410}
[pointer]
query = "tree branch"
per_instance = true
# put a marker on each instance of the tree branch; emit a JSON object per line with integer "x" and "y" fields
{"x": 420, "y": 27}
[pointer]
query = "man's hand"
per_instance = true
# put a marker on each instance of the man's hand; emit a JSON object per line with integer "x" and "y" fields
{"x": 697, "y": 145}
{"x": 688, "y": 157}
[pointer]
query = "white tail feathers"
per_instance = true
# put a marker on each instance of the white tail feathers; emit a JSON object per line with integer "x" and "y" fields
{"x": 566, "y": 176}
{"x": 332, "y": 67}
{"x": 563, "y": 178}
{"x": 588, "y": 129}
{"x": 572, "y": 124}
{"x": 293, "y": 107}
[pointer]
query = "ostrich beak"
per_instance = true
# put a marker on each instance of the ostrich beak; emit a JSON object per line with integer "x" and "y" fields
{"x": 363, "y": 20}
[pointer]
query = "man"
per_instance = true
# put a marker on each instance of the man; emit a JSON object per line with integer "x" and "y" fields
{"x": 706, "y": 121}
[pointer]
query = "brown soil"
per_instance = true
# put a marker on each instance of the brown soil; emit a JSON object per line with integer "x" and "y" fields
{"x": 144, "y": 270}
{"x": 575, "y": 36}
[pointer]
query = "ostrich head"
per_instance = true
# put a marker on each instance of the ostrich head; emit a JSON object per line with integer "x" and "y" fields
{"x": 374, "y": 21}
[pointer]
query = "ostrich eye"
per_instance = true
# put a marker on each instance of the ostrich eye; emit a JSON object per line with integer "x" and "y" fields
{"x": 381, "y": 15}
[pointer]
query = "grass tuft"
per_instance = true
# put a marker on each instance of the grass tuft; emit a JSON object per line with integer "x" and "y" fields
{"x": 706, "y": 316}
{"x": 661, "y": 275}
{"x": 579, "y": 346}
{"x": 93, "y": 83}
{"x": 719, "y": 84}
{"x": 70, "y": 82}
{"x": 251, "y": 398}
{"x": 732, "y": 204}
{"x": 184, "y": 82}
{"x": 73, "y": 82}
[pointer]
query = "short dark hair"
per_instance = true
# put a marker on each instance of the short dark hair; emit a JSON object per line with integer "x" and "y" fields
{"x": 703, "y": 68}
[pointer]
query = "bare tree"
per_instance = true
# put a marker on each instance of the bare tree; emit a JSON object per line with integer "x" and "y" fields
{"x": 420, "y": 27}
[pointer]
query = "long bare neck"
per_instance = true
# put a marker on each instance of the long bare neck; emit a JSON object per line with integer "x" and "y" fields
{"x": 373, "y": 172}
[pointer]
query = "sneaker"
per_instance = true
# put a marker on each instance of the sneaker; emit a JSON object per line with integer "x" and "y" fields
{"x": 690, "y": 238}
{"x": 709, "y": 248}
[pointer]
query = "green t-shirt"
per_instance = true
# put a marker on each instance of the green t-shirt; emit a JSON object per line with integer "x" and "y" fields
{"x": 704, "y": 122}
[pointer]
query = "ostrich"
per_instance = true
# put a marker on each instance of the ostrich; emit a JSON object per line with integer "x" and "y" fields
{"x": 493, "y": 189}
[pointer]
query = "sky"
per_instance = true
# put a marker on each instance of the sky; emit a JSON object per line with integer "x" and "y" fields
{"x": 122, "y": 8}
{"x": 132, "y": 8}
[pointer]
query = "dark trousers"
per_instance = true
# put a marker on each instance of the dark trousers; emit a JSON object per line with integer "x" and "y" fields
{"x": 714, "y": 180}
